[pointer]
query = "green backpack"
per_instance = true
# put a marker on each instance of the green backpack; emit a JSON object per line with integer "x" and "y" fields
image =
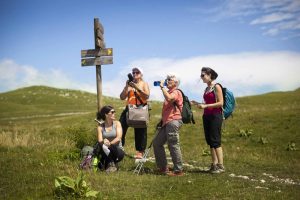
{"x": 186, "y": 113}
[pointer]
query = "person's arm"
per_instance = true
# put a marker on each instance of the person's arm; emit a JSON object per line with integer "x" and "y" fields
{"x": 119, "y": 133}
{"x": 193, "y": 102}
{"x": 144, "y": 92}
{"x": 219, "y": 99}
{"x": 100, "y": 137}
{"x": 168, "y": 97}
{"x": 124, "y": 92}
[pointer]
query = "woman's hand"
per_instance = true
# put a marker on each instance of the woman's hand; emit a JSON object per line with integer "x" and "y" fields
{"x": 199, "y": 105}
{"x": 132, "y": 84}
{"x": 106, "y": 142}
{"x": 162, "y": 82}
{"x": 202, "y": 105}
{"x": 193, "y": 102}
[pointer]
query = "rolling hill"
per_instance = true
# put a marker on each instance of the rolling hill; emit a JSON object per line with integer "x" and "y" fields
{"x": 42, "y": 130}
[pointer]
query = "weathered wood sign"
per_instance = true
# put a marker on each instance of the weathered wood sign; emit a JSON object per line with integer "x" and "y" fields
{"x": 96, "y": 52}
{"x": 98, "y": 56}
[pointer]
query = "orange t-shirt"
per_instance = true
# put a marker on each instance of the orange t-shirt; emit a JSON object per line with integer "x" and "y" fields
{"x": 170, "y": 111}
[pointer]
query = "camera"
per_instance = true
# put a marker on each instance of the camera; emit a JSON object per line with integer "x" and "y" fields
{"x": 157, "y": 83}
{"x": 130, "y": 77}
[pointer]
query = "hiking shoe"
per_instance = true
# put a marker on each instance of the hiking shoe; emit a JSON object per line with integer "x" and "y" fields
{"x": 217, "y": 169}
{"x": 176, "y": 173}
{"x": 163, "y": 171}
{"x": 214, "y": 169}
{"x": 221, "y": 168}
{"x": 111, "y": 167}
{"x": 138, "y": 155}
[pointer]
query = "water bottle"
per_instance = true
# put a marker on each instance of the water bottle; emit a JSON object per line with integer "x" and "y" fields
{"x": 157, "y": 83}
{"x": 95, "y": 164}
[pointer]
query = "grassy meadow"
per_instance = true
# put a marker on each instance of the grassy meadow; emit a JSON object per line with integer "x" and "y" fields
{"x": 43, "y": 129}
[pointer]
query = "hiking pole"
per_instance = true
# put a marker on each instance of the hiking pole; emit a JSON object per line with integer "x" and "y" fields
{"x": 144, "y": 158}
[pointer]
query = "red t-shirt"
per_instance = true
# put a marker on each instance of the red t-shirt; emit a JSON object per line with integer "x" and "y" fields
{"x": 170, "y": 111}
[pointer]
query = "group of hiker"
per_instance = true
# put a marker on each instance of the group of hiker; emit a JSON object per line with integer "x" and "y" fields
{"x": 112, "y": 132}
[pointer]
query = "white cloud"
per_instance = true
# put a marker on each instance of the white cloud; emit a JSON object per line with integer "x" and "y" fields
{"x": 274, "y": 17}
{"x": 281, "y": 16}
{"x": 13, "y": 75}
{"x": 246, "y": 73}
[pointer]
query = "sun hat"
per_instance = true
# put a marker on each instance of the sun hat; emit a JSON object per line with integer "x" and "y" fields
{"x": 138, "y": 69}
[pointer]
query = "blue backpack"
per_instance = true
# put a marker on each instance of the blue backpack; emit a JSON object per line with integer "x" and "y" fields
{"x": 229, "y": 102}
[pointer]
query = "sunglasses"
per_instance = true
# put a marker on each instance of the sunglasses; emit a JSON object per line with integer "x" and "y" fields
{"x": 112, "y": 112}
{"x": 202, "y": 75}
{"x": 135, "y": 72}
{"x": 169, "y": 79}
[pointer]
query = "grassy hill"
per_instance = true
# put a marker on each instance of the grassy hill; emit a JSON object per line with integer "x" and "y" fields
{"x": 42, "y": 130}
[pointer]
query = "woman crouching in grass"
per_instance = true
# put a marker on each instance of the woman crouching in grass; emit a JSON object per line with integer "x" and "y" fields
{"x": 109, "y": 146}
{"x": 212, "y": 117}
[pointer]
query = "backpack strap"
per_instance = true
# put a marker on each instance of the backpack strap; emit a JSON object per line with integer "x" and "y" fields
{"x": 175, "y": 104}
{"x": 215, "y": 92}
{"x": 137, "y": 97}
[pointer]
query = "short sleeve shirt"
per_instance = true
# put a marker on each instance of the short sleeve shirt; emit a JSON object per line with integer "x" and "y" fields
{"x": 170, "y": 111}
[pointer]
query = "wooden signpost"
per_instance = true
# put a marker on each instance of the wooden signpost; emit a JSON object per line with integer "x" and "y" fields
{"x": 98, "y": 56}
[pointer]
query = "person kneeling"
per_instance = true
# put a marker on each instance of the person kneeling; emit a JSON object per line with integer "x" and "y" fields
{"x": 109, "y": 145}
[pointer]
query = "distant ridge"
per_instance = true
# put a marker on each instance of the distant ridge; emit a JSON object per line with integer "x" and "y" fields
{"x": 44, "y": 100}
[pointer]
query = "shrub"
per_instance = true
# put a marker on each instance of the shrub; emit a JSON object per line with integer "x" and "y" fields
{"x": 82, "y": 136}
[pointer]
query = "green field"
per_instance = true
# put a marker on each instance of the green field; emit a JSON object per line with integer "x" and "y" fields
{"x": 42, "y": 130}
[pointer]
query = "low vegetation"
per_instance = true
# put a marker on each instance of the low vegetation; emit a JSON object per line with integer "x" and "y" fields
{"x": 42, "y": 131}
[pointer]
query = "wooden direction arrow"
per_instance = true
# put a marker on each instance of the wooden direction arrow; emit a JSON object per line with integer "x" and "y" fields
{"x": 105, "y": 60}
{"x": 96, "y": 52}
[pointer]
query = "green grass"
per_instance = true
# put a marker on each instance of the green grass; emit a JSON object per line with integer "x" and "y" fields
{"x": 42, "y": 130}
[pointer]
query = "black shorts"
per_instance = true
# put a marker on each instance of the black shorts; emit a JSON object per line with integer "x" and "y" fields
{"x": 212, "y": 129}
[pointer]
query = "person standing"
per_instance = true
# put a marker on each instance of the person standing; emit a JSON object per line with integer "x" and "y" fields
{"x": 212, "y": 117}
{"x": 169, "y": 131}
{"x": 137, "y": 93}
{"x": 109, "y": 146}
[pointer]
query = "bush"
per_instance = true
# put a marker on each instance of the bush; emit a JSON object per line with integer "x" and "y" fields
{"x": 82, "y": 136}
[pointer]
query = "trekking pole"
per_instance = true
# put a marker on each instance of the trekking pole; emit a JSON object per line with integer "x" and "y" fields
{"x": 144, "y": 158}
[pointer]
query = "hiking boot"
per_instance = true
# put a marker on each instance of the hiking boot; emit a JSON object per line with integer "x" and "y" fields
{"x": 111, "y": 167}
{"x": 221, "y": 168}
{"x": 176, "y": 173}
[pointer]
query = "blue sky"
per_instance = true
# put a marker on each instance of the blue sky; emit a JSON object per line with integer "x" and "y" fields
{"x": 254, "y": 45}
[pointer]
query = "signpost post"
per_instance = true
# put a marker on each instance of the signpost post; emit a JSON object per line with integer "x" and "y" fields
{"x": 98, "y": 56}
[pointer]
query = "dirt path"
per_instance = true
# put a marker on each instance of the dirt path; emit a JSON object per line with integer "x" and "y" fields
{"x": 43, "y": 116}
